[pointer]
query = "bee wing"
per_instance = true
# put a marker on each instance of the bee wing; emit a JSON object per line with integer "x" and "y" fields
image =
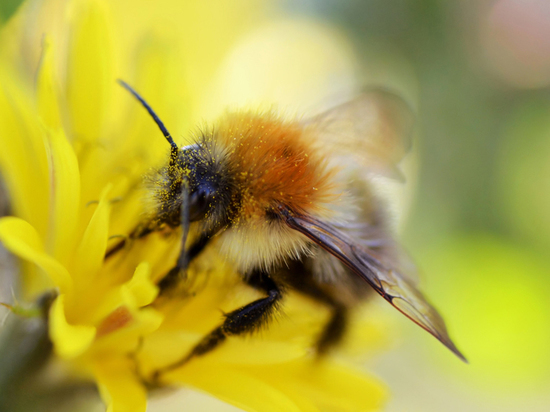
{"x": 381, "y": 247}
{"x": 375, "y": 129}
{"x": 389, "y": 283}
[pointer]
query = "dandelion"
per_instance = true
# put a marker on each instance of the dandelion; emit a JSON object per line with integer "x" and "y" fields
{"x": 74, "y": 153}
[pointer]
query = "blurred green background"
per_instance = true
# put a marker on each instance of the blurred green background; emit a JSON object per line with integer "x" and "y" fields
{"x": 478, "y": 75}
{"x": 7, "y": 8}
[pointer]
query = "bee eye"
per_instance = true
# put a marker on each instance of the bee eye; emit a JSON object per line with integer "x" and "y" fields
{"x": 202, "y": 200}
{"x": 199, "y": 202}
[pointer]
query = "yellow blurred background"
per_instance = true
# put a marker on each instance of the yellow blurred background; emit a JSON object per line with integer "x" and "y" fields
{"x": 478, "y": 225}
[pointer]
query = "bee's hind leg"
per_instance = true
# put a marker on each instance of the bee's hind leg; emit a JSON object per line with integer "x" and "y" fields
{"x": 334, "y": 331}
{"x": 246, "y": 319}
{"x": 336, "y": 327}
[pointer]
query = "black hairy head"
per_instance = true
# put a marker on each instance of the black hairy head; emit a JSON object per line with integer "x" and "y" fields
{"x": 202, "y": 169}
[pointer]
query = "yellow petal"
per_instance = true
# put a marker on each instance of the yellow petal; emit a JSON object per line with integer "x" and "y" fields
{"x": 90, "y": 73}
{"x": 22, "y": 239}
{"x": 119, "y": 386}
{"x": 128, "y": 213}
{"x": 91, "y": 289}
{"x": 301, "y": 384}
{"x": 23, "y": 156}
{"x": 47, "y": 88}
{"x": 234, "y": 387}
{"x": 126, "y": 337}
{"x": 141, "y": 289}
{"x": 65, "y": 180}
{"x": 69, "y": 340}
{"x": 102, "y": 300}
{"x": 256, "y": 350}
{"x": 63, "y": 164}
{"x": 90, "y": 254}
{"x": 329, "y": 385}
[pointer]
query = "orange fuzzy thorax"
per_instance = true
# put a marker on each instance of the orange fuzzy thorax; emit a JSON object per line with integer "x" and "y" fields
{"x": 275, "y": 163}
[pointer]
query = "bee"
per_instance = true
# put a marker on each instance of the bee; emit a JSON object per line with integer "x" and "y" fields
{"x": 290, "y": 205}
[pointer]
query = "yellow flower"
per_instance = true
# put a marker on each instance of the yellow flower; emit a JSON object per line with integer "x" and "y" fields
{"x": 74, "y": 150}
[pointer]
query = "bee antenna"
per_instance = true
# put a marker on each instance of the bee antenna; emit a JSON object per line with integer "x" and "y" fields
{"x": 174, "y": 147}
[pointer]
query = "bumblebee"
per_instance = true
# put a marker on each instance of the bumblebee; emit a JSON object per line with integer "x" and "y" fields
{"x": 290, "y": 205}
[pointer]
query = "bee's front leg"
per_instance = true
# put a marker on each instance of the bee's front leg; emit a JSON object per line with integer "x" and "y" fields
{"x": 180, "y": 269}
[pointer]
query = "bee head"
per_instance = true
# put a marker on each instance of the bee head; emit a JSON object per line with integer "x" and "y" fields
{"x": 208, "y": 185}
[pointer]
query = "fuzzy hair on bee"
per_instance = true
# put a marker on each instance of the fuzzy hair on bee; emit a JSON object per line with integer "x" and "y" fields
{"x": 290, "y": 204}
{"x": 245, "y": 167}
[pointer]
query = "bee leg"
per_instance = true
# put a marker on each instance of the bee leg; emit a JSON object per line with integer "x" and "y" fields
{"x": 246, "y": 319}
{"x": 119, "y": 246}
{"x": 334, "y": 330}
{"x": 336, "y": 327}
{"x": 174, "y": 275}
{"x": 197, "y": 247}
{"x": 137, "y": 233}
